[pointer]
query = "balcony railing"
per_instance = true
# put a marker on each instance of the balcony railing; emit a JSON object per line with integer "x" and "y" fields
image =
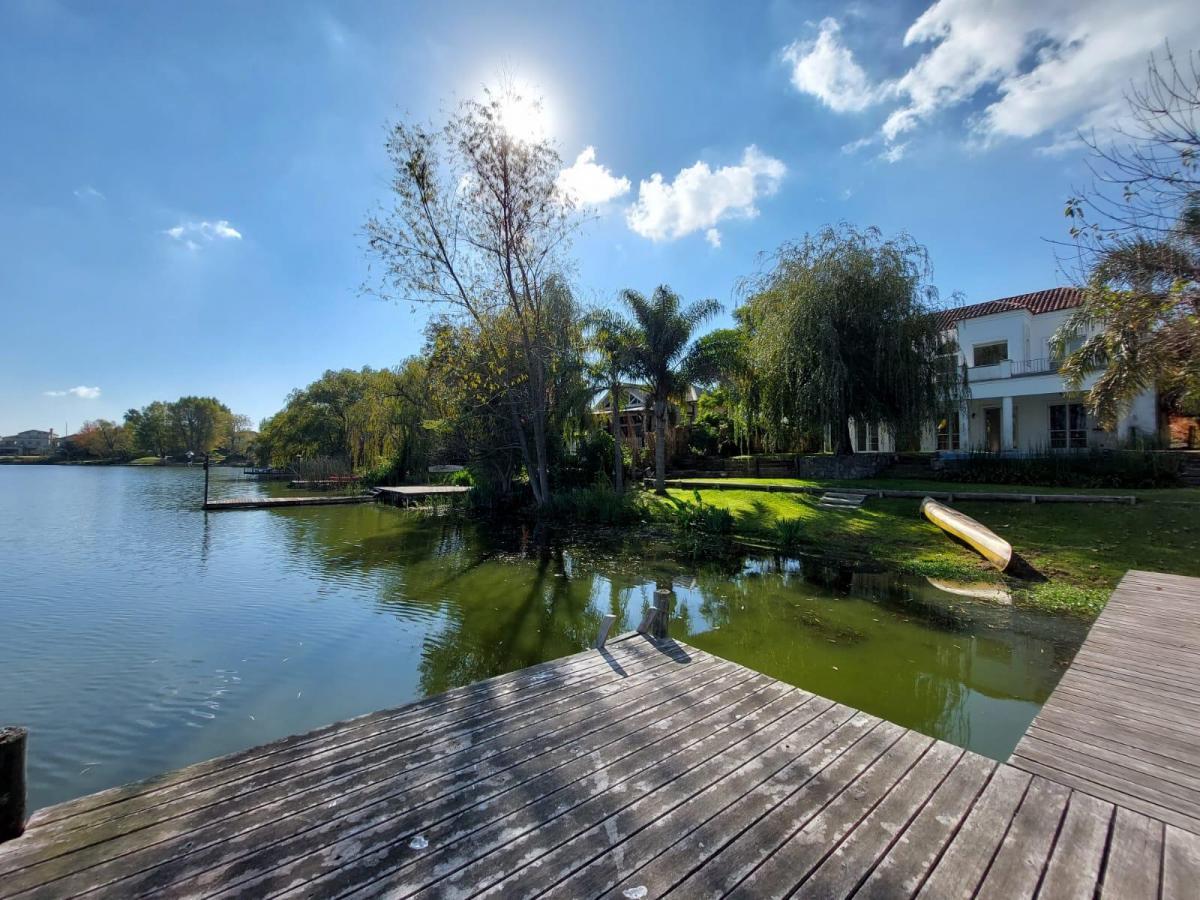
{"x": 1012, "y": 368}
{"x": 1036, "y": 367}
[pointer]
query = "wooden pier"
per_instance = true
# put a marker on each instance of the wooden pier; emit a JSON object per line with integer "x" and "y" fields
{"x": 648, "y": 768}
{"x": 278, "y": 502}
{"x": 407, "y": 494}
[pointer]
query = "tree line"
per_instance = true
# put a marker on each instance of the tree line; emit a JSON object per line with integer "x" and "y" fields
{"x": 165, "y": 429}
{"x": 837, "y": 326}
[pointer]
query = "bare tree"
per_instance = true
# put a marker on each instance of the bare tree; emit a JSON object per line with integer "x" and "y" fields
{"x": 1137, "y": 234}
{"x": 477, "y": 224}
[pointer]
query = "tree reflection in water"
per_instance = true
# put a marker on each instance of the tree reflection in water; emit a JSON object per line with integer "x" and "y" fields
{"x": 492, "y": 600}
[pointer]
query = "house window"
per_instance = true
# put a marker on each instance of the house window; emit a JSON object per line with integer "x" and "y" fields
{"x": 866, "y": 438}
{"x": 1068, "y": 426}
{"x": 948, "y": 437}
{"x": 990, "y": 354}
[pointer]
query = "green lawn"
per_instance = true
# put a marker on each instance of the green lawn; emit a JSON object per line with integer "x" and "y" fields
{"x": 1082, "y": 549}
{"x": 1189, "y": 494}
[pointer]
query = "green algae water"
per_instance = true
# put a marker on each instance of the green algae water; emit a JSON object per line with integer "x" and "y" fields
{"x": 138, "y": 634}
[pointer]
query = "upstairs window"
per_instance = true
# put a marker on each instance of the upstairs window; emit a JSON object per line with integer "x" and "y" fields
{"x": 990, "y": 354}
{"x": 1068, "y": 426}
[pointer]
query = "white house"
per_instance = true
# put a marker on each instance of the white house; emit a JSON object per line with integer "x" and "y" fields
{"x": 1018, "y": 401}
{"x": 29, "y": 443}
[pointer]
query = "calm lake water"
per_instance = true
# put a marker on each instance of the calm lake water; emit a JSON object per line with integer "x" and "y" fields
{"x": 138, "y": 634}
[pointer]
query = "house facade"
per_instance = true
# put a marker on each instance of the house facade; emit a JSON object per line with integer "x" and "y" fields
{"x": 636, "y": 415}
{"x": 29, "y": 443}
{"x": 1018, "y": 400}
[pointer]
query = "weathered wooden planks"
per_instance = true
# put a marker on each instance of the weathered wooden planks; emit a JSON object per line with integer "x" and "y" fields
{"x": 649, "y": 768}
{"x": 1123, "y": 725}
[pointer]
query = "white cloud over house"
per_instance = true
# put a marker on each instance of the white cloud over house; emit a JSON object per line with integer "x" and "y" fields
{"x": 83, "y": 392}
{"x": 1044, "y": 68}
{"x": 587, "y": 183}
{"x": 698, "y": 198}
{"x": 195, "y": 234}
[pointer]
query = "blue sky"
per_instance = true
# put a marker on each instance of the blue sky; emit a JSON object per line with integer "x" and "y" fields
{"x": 182, "y": 186}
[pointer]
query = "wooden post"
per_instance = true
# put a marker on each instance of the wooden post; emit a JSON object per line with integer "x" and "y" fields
{"x": 662, "y": 602}
{"x": 606, "y": 625}
{"x": 206, "y": 479}
{"x": 12, "y": 782}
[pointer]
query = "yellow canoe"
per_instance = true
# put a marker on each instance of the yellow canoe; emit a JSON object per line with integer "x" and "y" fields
{"x": 990, "y": 545}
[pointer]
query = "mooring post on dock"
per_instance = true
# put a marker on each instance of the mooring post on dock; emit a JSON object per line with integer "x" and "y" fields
{"x": 662, "y": 601}
{"x": 12, "y": 781}
{"x": 606, "y": 625}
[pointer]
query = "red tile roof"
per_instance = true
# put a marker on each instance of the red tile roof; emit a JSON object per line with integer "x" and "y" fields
{"x": 1036, "y": 303}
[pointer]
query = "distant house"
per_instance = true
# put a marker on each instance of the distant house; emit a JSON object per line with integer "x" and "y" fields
{"x": 29, "y": 443}
{"x": 636, "y": 415}
{"x": 1018, "y": 400}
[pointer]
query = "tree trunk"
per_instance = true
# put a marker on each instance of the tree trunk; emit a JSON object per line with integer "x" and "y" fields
{"x": 844, "y": 446}
{"x": 660, "y": 447}
{"x": 618, "y": 456}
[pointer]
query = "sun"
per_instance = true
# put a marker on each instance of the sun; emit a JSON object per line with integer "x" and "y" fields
{"x": 523, "y": 115}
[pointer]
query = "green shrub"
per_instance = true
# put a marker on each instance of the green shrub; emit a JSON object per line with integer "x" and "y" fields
{"x": 1093, "y": 468}
{"x": 789, "y": 533}
{"x": 594, "y": 505}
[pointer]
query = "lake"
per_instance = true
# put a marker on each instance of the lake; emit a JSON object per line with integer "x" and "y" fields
{"x": 139, "y": 634}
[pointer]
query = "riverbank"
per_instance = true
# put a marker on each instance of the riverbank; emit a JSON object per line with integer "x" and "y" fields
{"x": 1082, "y": 550}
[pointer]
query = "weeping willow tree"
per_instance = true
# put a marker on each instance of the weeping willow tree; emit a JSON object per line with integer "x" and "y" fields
{"x": 726, "y": 355}
{"x": 842, "y": 328}
{"x": 1137, "y": 234}
{"x": 358, "y": 419}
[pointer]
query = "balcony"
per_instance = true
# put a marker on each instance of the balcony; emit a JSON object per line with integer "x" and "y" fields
{"x": 1009, "y": 368}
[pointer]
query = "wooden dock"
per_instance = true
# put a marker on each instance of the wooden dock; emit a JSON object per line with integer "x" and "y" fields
{"x": 643, "y": 769}
{"x": 1124, "y": 722}
{"x": 407, "y": 494}
{"x": 278, "y": 502}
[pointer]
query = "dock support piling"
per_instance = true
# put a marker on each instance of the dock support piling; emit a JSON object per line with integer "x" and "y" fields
{"x": 12, "y": 782}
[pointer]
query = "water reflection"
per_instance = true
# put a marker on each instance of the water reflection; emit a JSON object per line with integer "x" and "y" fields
{"x": 141, "y": 634}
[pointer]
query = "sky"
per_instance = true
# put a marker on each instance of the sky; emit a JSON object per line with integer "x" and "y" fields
{"x": 183, "y": 185}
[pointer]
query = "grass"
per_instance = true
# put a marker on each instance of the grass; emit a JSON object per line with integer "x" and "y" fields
{"x": 1184, "y": 494}
{"x": 1082, "y": 550}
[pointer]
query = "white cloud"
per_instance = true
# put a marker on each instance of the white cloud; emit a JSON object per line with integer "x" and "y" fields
{"x": 1047, "y": 68}
{"x": 587, "y": 183}
{"x": 194, "y": 234}
{"x": 825, "y": 68}
{"x": 893, "y": 152}
{"x": 699, "y": 198}
{"x": 82, "y": 392}
{"x": 87, "y": 192}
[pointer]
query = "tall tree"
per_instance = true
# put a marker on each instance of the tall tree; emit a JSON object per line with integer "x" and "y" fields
{"x": 151, "y": 427}
{"x": 613, "y": 343}
{"x": 843, "y": 328}
{"x": 665, "y": 355}
{"x": 1137, "y": 233}
{"x": 198, "y": 424}
{"x": 477, "y": 224}
{"x": 726, "y": 355}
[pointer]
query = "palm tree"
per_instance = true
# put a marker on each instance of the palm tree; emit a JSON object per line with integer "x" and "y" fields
{"x": 665, "y": 355}
{"x": 612, "y": 339}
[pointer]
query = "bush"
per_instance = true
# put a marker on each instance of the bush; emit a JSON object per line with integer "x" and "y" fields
{"x": 699, "y": 517}
{"x": 597, "y": 504}
{"x": 789, "y": 534}
{"x": 1094, "y": 468}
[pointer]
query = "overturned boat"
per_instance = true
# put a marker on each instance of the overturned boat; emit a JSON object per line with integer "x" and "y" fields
{"x": 983, "y": 540}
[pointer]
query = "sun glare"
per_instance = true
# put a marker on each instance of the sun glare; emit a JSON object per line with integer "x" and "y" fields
{"x": 523, "y": 116}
